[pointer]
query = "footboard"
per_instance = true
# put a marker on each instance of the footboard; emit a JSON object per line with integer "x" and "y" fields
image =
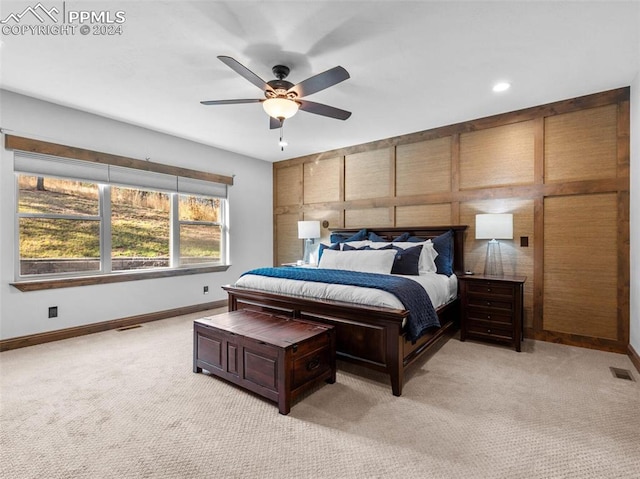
{"x": 366, "y": 335}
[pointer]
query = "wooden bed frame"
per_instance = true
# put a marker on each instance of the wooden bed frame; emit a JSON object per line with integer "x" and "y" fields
{"x": 366, "y": 335}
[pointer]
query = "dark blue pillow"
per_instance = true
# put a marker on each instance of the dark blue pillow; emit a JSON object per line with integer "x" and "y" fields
{"x": 407, "y": 261}
{"x": 415, "y": 239}
{"x": 443, "y": 245}
{"x": 340, "y": 238}
{"x": 375, "y": 238}
{"x": 379, "y": 239}
{"x": 402, "y": 237}
{"x": 335, "y": 246}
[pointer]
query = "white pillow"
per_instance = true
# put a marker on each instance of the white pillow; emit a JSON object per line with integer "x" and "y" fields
{"x": 427, "y": 255}
{"x": 365, "y": 261}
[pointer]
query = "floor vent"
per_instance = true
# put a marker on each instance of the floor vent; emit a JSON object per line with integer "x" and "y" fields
{"x": 621, "y": 373}
{"x": 126, "y": 328}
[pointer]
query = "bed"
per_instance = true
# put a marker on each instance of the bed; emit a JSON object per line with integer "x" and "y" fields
{"x": 373, "y": 336}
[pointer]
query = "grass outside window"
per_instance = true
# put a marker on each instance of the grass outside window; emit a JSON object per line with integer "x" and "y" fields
{"x": 61, "y": 228}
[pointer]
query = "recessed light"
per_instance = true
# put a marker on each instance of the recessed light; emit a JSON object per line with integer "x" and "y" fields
{"x": 502, "y": 86}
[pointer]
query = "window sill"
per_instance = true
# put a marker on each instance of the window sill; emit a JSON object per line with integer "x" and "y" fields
{"x": 37, "y": 285}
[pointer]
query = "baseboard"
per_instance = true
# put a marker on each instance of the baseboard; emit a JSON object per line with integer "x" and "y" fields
{"x": 601, "y": 344}
{"x": 40, "y": 338}
{"x": 635, "y": 358}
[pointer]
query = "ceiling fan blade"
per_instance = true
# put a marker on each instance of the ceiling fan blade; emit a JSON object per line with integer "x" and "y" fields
{"x": 324, "y": 110}
{"x": 243, "y": 71}
{"x": 231, "y": 102}
{"x": 320, "y": 81}
{"x": 274, "y": 123}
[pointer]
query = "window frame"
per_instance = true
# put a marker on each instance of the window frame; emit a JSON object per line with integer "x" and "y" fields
{"x": 104, "y": 276}
{"x": 176, "y": 223}
{"x": 18, "y": 216}
{"x": 109, "y": 237}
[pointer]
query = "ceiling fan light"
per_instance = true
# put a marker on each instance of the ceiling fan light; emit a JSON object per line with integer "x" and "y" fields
{"x": 280, "y": 107}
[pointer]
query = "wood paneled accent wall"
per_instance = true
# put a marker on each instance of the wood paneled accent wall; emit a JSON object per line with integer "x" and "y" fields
{"x": 562, "y": 169}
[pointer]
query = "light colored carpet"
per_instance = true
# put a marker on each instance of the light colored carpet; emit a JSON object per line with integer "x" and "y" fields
{"x": 127, "y": 405}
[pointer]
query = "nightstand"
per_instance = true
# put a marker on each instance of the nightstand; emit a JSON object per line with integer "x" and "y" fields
{"x": 492, "y": 308}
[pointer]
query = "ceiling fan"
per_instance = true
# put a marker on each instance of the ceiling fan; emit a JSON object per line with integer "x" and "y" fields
{"x": 283, "y": 98}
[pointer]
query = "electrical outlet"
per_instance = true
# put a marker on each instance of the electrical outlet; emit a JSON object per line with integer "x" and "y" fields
{"x": 53, "y": 312}
{"x": 205, "y": 290}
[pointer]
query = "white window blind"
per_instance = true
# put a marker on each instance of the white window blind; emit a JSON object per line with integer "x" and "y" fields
{"x": 45, "y": 165}
{"x": 200, "y": 187}
{"x": 140, "y": 178}
{"x": 39, "y": 164}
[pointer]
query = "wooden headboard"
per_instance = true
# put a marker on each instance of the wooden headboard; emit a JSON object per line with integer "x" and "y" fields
{"x": 425, "y": 232}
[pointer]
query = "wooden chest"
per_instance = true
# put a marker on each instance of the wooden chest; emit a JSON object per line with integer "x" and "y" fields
{"x": 492, "y": 308}
{"x": 275, "y": 357}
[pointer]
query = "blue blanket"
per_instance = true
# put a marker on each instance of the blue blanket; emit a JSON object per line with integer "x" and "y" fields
{"x": 415, "y": 299}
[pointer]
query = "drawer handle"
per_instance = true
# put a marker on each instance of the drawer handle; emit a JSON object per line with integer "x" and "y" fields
{"x": 488, "y": 290}
{"x": 488, "y": 303}
{"x": 313, "y": 364}
{"x": 488, "y": 331}
{"x": 488, "y": 316}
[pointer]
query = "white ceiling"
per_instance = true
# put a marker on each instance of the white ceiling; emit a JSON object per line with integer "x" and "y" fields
{"x": 413, "y": 65}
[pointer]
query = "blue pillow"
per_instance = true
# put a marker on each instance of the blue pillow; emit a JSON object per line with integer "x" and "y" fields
{"x": 379, "y": 239}
{"x": 340, "y": 238}
{"x": 415, "y": 239}
{"x": 402, "y": 237}
{"x": 375, "y": 238}
{"x": 334, "y": 246}
{"x": 443, "y": 245}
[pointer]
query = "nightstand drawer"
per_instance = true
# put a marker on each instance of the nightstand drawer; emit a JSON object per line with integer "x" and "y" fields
{"x": 482, "y": 302}
{"x": 477, "y": 314}
{"x": 500, "y": 333}
{"x": 486, "y": 288}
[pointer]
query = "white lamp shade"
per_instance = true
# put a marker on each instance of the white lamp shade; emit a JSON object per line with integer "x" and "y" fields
{"x": 308, "y": 229}
{"x": 280, "y": 107}
{"x": 494, "y": 226}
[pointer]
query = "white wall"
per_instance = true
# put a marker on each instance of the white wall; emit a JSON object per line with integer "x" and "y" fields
{"x": 635, "y": 215}
{"x": 250, "y": 206}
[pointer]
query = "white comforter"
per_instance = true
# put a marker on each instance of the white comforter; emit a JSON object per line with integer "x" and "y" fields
{"x": 441, "y": 289}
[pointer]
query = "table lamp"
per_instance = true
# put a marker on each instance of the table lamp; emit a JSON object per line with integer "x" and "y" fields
{"x": 494, "y": 227}
{"x": 308, "y": 231}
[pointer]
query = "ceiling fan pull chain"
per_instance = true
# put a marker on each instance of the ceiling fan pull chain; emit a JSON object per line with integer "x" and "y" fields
{"x": 282, "y": 142}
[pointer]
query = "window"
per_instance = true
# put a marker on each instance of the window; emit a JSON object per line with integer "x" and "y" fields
{"x": 118, "y": 220}
{"x": 59, "y": 225}
{"x": 200, "y": 229}
{"x": 140, "y": 222}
